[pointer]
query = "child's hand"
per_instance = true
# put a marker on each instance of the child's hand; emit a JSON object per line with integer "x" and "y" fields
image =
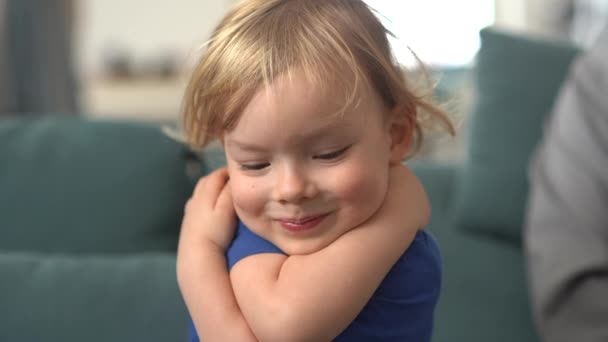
{"x": 209, "y": 214}
{"x": 202, "y": 274}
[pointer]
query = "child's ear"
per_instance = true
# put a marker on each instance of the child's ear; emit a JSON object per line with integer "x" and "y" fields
{"x": 401, "y": 129}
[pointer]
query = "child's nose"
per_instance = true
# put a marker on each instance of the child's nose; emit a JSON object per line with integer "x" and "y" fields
{"x": 293, "y": 185}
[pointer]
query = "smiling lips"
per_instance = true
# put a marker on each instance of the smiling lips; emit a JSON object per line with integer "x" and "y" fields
{"x": 304, "y": 224}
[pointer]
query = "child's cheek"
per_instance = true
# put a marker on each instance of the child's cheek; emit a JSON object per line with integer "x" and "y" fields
{"x": 245, "y": 195}
{"x": 361, "y": 187}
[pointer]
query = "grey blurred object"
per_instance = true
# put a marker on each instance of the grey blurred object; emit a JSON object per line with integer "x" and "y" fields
{"x": 117, "y": 62}
{"x": 579, "y": 21}
{"x": 36, "y": 62}
{"x": 163, "y": 66}
{"x": 120, "y": 64}
{"x": 590, "y": 16}
{"x": 566, "y": 235}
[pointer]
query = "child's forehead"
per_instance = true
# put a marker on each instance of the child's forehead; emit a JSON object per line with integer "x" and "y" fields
{"x": 338, "y": 92}
{"x": 295, "y": 100}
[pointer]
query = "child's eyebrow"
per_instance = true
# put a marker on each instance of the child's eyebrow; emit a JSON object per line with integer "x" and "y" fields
{"x": 333, "y": 122}
{"x": 331, "y": 127}
{"x": 311, "y": 136}
{"x": 245, "y": 146}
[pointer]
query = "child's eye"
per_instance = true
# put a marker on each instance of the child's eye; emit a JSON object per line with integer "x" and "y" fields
{"x": 332, "y": 155}
{"x": 254, "y": 167}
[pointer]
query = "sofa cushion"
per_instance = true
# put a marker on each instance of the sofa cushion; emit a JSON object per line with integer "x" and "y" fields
{"x": 483, "y": 295}
{"x": 90, "y": 298}
{"x": 484, "y": 292}
{"x": 73, "y": 185}
{"x": 516, "y": 81}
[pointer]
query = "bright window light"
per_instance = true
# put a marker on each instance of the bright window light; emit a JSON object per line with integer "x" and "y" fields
{"x": 441, "y": 32}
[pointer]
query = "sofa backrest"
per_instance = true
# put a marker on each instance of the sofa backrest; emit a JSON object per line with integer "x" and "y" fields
{"x": 71, "y": 185}
{"x": 517, "y": 79}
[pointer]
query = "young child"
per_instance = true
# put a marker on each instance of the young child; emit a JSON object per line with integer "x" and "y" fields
{"x": 313, "y": 232}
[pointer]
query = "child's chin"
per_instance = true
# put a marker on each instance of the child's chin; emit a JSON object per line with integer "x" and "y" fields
{"x": 305, "y": 248}
{"x": 308, "y": 246}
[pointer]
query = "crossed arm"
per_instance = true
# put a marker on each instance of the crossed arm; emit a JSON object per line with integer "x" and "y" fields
{"x": 272, "y": 297}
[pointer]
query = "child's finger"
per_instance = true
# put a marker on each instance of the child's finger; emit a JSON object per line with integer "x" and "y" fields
{"x": 224, "y": 201}
{"x": 199, "y": 188}
{"x": 213, "y": 186}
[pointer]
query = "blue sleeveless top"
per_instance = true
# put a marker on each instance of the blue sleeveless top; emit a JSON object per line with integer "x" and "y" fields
{"x": 402, "y": 307}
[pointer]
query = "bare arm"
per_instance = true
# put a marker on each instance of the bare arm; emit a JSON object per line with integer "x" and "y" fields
{"x": 314, "y": 297}
{"x": 201, "y": 265}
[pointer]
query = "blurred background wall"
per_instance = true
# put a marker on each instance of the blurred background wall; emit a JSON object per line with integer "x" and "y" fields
{"x": 130, "y": 59}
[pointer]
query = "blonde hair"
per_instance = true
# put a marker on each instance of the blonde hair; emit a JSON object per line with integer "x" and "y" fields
{"x": 329, "y": 40}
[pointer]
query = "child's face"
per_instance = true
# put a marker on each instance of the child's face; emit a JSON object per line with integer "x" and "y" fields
{"x": 301, "y": 175}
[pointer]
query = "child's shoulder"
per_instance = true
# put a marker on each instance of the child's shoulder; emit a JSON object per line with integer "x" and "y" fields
{"x": 418, "y": 270}
{"x": 423, "y": 250}
{"x": 409, "y": 293}
{"x": 247, "y": 243}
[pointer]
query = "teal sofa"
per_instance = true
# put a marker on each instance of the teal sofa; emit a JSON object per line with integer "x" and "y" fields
{"x": 90, "y": 214}
{"x": 479, "y": 204}
{"x": 89, "y": 219}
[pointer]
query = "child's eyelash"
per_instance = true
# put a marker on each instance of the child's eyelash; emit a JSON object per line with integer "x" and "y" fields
{"x": 254, "y": 167}
{"x": 334, "y": 154}
{"x": 324, "y": 156}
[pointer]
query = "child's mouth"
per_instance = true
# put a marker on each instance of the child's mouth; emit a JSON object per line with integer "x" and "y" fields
{"x": 304, "y": 224}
